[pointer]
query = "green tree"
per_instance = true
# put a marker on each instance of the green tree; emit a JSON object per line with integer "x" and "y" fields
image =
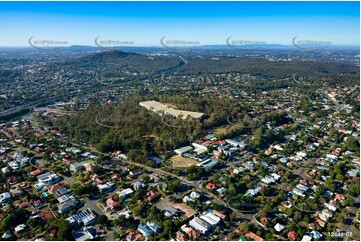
{"x": 64, "y": 230}
{"x": 244, "y": 227}
{"x": 174, "y": 185}
{"x": 138, "y": 210}
{"x": 102, "y": 219}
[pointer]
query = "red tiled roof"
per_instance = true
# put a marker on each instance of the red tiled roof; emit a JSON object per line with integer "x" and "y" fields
{"x": 152, "y": 195}
{"x": 219, "y": 214}
{"x": 55, "y": 188}
{"x": 292, "y": 235}
{"x": 253, "y": 236}
{"x": 111, "y": 202}
{"x": 24, "y": 204}
{"x": 36, "y": 172}
{"x": 210, "y": 185}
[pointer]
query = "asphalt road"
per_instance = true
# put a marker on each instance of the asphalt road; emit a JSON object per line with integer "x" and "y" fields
{"x": 89, "y": 203}
{"x": 197, "y": 186}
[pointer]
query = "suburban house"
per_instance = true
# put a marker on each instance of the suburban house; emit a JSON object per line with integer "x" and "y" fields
{"x": 55, "y": 188}
{"x": 136, "y": 172}
{"x": 85, "y": 218}
{"x": 68, "y": 206}
{"x": 75, "y": 167}
{"x": 200, "y": 225}
{"x": 126, "y": 192}
{"x": 152, "y": 195}
{"x": 48, "y": 178}
{"x": 62, "y": 191}
{"x": 183, "y": 150}
{"x": 111, "y": 203}
{"x": 148, "y": 228}
{"x": 5, "y": 197}
{"x": 252, "y": 236}
{"x": 106, "y": 187}
{"x": 135, "y": 236}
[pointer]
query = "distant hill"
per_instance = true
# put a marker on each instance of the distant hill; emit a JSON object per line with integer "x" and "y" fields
{"x": 261, "y": 46}
{"x": 116, "y": 59}
{"x": 110, "y": 55}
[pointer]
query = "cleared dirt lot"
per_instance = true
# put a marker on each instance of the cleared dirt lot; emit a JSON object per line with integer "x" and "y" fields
{"x": 179, "y": 161}
{"x": 189, "y": 212}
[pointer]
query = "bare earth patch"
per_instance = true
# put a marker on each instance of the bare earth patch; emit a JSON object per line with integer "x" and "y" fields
{"x": 179, "y": 161}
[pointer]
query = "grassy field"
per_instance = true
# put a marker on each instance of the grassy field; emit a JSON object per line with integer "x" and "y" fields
{"x": 221, "y": 129}
{"x": 179, "y": 161}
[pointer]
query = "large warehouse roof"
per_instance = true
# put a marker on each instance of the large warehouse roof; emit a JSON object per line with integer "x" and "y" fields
{"x": 161, "y": 108}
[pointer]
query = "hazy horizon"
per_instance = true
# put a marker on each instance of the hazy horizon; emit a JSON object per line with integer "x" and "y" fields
{"x": 207, "y": 23}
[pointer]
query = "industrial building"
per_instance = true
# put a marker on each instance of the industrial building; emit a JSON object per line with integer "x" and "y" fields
{"x": 161, "y": 109}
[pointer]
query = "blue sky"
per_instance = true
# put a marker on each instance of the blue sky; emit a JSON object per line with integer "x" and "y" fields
{"x": 145, "y": 23}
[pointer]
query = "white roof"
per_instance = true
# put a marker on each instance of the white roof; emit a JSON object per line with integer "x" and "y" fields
{"x": 315, "y": 234}
{"x": 211, "y": 218}
{"x": 187, "y": 199}
{"x": 306, "y": 238}
{"x": 234, "y": 142}
{"x": 5, "y": 195}
{"x": 20, "y": 227}
{"x": 125, "y": 192}
{"x": 160, "y": 108}
{"x": 279, "y": 227}
{"x": 183, "y": 149}
{"x": 199, "y": 224}
{"x": 331, "y": 207}
{"x": 194, "y": 195}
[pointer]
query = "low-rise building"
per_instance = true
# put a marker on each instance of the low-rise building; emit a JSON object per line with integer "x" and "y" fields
{"x": 183, "y": 150}
{"x": 68, "y": 206}
{"x": 126, "y": 192}
{"x": 85, "y": 218}
{"x": 200, "y": 225}
{"x": 5, "y": 197}
{"x": 48, "y": 178}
